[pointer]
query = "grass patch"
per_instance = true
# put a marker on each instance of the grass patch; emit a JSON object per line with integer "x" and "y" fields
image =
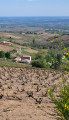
{"x": 13, "y": 46}
{"x": 10, "y": 63}
{"x": 25, "y": 52}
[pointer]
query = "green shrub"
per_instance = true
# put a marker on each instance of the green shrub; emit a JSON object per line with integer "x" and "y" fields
{"x": 8, "y": 55}
{"x": 2, "y": 54}
{"x": 59, "y": 56}
{"x": 39, "y": 63}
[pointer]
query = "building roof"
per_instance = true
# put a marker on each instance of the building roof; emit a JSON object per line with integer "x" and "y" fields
{"x": 24, "y": 55}
{"x": 17, "y": 59}
{"x": 6, "y": 42}
{"x": 25, "y": 60}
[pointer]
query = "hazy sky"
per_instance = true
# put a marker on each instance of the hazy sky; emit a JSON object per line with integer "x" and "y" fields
{"x": 34, "y": 7}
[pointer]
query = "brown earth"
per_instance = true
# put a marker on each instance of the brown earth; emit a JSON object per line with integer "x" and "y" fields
{"x": 31, "y": 50}
{"x": 6, "y": 48}
{"x": 20, "y": 42}
{"x": 10, "y": 35}
{"x": 23, "y": 93}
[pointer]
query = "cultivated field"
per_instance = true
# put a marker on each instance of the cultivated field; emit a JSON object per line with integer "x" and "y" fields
{"x": 6, "y": 48}
{"x": 23, "y": 93}
{"x": 31, "y": 50}
{"x": 3, "y": 34}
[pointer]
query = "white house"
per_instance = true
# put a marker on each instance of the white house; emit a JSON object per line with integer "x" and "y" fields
{"x": 26, "y": 59}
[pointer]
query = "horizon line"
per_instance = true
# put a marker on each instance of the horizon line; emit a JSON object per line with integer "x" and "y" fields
{"x": 34, "y": 16}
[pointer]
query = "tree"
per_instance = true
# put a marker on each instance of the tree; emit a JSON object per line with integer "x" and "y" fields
{"x": 8, "y": 55}
{"x": 33, "y": 41}
{"x": 2, "y": 54}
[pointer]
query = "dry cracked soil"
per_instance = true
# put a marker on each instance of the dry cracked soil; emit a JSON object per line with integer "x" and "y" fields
{"x": 23, "y": 93}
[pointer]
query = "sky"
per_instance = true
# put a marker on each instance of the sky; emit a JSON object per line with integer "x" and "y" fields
{"x": 34, "y": 8}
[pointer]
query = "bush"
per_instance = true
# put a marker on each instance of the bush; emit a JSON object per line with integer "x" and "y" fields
{"x": 39, "y": 63}
{"x": 59, "y": 56}
{"x": 8, "y": 55}
{"x": 2, "y": 54}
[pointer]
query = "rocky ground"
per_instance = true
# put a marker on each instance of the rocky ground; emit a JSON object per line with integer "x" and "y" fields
{"x": 23, "y": 93}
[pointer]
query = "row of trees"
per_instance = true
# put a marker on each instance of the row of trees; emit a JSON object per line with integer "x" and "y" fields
{"x": 5, "y": 54}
